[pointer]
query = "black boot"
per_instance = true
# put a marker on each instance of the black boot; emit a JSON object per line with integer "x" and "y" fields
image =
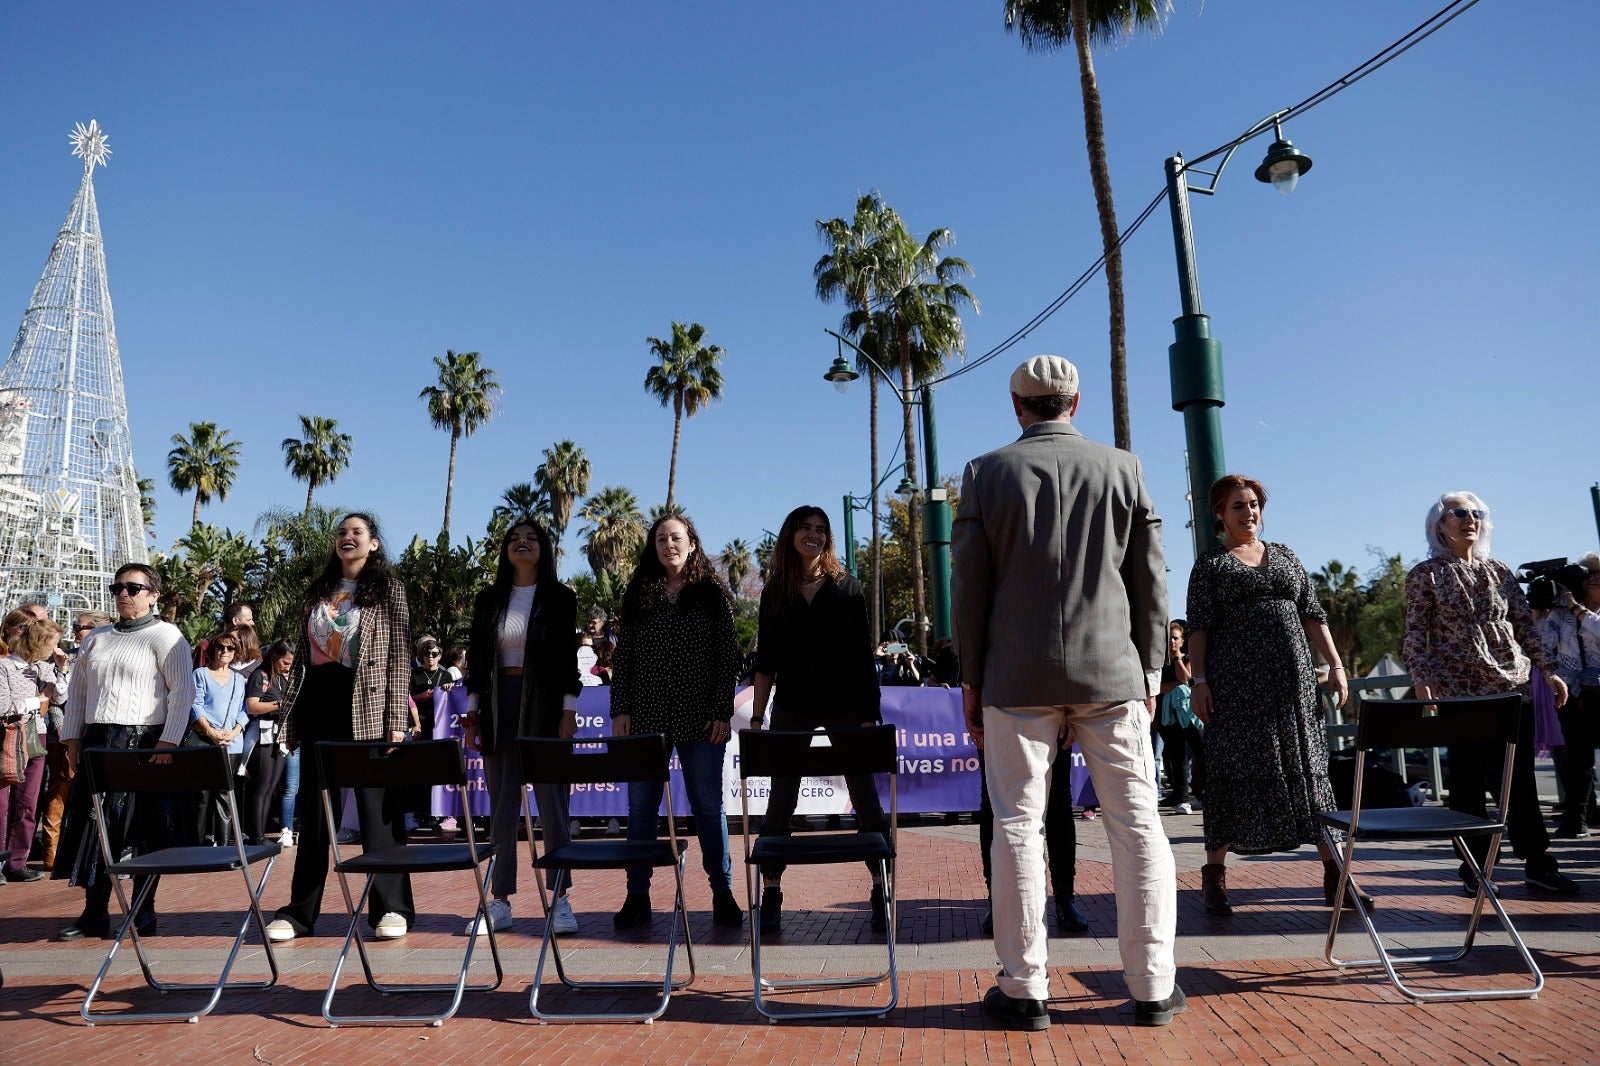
{"x": 771, "y": 910}
{"x": 880, "y": 909}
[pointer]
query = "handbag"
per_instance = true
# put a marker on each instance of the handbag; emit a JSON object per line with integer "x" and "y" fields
{"x": 30, "y": 737}
{"x": 14, "y": 757}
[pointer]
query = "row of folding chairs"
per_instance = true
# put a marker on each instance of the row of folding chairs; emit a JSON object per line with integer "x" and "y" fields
{"x": 564, "y": 763}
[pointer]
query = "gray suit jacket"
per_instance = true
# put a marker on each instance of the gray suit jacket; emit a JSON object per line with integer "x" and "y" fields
{"x": 1060, "y": 587}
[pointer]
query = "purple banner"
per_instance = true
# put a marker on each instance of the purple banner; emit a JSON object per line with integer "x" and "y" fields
{"x": 938, "y": 762}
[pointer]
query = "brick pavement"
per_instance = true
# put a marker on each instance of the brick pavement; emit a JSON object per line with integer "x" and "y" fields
{"x": 1258, "y": 988}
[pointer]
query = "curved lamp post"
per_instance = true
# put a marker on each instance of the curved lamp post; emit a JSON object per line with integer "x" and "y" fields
{"x": 935, "y": 498}
{"x": 1195, "y": 358}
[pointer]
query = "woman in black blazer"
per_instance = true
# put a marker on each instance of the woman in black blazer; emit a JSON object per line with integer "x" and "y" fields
{"x": 522, "y": 676}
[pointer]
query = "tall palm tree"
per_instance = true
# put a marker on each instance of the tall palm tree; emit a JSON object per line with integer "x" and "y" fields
{"x": 462, "y": 401}
{"x": 613, "y": 528}
{"x": 684, "y": 378}
{"x": 1044, "y": 26}
{"x": 738, "y": 561}
{"x": 848, "y": 270}
{"x": 147, "y": 504}
{"x": 564, "y": 478}
{"x": 521, "y": 500}
{"x": 205, "y": 464}
{"x": 921, "y": 296}
{"x": 319, "y": 456}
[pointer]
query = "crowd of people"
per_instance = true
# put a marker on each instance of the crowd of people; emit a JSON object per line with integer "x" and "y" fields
{"x": 1062, "y": 637}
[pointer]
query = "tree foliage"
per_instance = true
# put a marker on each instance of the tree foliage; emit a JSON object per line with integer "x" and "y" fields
{"x": 319, "y": 455}
{"x": 460, "y": 402}
{"x": 685, "y": 378}
{"x": 1366, "y": 618}
{"x": 204, "y": 463}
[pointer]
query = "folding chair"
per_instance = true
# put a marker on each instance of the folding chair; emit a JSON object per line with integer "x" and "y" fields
{"x": 1416, "y": 724}
{"x": 603, "y": 760}
{"x": 377, "y": 764}
{"x": 823, "y": 753}
{"x": 184, "y": 770}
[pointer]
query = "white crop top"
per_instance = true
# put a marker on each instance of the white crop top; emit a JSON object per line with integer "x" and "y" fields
{"x": 513, "y": 640}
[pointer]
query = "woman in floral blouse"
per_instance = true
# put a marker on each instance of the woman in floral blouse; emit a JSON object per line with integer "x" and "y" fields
{"x": 1470, "y": 632}
{"x": 674, "y": 673}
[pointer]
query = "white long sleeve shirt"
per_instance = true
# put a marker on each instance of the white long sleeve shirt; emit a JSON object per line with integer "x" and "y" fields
{"x": 141, "y": 677}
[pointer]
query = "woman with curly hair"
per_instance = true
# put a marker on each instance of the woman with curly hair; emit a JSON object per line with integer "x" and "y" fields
{"x": 350, "y": 681}
{"x": 674, "y": 672}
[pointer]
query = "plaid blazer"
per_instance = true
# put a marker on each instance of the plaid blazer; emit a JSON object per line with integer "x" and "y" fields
{"x": 383, "y": 670}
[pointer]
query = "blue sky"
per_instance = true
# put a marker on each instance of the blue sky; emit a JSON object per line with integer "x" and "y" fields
{"x": 306, "y": 203}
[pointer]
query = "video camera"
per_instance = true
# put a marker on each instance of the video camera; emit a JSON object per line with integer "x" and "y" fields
{"x": 1547, "y": 577}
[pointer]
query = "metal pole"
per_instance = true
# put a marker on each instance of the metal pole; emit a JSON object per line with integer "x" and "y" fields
{"x": 1195, "y": 363}
{"x": 850, "y": 534}
{"x": 1594, "y": 498}
{"x": 936, "y": 524}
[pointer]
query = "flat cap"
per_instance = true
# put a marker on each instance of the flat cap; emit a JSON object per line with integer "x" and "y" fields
{"x": 1045, "y": 375}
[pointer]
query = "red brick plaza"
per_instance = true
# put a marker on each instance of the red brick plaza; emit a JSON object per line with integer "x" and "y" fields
{"x": 1258, "y": 988}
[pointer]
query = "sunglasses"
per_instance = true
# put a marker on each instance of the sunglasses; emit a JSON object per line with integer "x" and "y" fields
{"x": 81, "y": 629}
{"x": 1463, "y": 513}
{"x": 132, "y": 588}
{"x": 430, "y": 655}
{"x": 226, "y": 647}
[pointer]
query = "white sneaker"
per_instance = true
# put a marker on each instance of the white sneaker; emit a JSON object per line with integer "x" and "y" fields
{"x": 390, "y": 927}
{"x": 562, "y": 921}
{"x": 280, "y": 930}
{"x": 499, "y": 917}
{"x": 1184, "y": 808}
{"x": 286, "y": 838}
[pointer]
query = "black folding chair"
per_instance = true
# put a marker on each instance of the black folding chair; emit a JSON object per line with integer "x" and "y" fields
{"x": 823, "y": 753}
{"x": 1430, "y": 724}
{"x": 180, "y": 770}
{"x": 599, "y": 761}
{"x": 417, "y": 764}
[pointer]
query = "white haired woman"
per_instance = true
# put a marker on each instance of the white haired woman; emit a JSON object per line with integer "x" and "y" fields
{"x": 1470, "y": 632}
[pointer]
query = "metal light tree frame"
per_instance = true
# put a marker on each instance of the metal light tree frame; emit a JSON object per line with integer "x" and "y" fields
{"x": 69, "y": 497}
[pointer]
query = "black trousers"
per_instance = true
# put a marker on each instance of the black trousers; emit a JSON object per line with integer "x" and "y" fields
{"x": 142, "y": 822}
{"x": 1060, "y": 834}
{"x": 1475, "y": 771}
{"x": 263, "y": 777}
{"x": 785, "y": 794}
{"x": 1179, "y": 744}
{"x": 323, "y": 711}
{"x": 1580, "y": 727}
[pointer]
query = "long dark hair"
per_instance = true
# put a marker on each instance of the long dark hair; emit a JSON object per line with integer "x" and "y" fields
{"x": 504, "y": 573}
{"x": 788, "y": 568}
{"x": 649, "y": 581}
{"x": 372, "y": 584}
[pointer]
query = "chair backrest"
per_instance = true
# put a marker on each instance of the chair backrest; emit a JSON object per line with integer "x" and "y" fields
{"x": 1413, "y": 723}
{"x": 380, "y": 764}
{"x": 134, "y": 769}
{"x": 818, "y": 753}
{"x": 593, "y": 760}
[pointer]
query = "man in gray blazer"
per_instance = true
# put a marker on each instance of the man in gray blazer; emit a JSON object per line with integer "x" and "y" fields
{"x": 1060, "y": 622}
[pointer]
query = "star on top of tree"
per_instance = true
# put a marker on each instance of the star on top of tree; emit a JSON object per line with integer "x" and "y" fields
{"x": 89, "y": 144}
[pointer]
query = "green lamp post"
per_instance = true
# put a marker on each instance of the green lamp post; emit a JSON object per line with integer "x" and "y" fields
{"x": 1195, "y": 357}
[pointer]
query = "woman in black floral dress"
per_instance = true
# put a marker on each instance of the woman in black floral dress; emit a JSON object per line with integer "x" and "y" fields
{"x": 1252, "y": 618}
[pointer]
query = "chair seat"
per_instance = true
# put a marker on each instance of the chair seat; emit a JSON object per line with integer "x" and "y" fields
{"x": 819, "y": 848}
{"x": 1412, "y": 823}
{"x": 416, "y": 858}
{"x": 197, "y": 860}
{"x": 610, "y": 855}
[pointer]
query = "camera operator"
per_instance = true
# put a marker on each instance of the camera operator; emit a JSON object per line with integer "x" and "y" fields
{"x": 1571, "y": 631}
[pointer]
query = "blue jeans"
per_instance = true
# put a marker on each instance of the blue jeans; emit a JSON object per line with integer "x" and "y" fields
{"x": 702, "y": 780}
{"x": 291, "y": 787}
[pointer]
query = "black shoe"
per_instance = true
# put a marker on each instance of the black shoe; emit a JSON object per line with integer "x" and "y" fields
{"x": 988, "y": 920}
{"x": 635, "y": 911}
{"x": 1550, "y": 880}
{"x": 1028, "y": 1015}
{"x": 1565, "y": 831}
{"x": 84, "y": 928}
{"x": 25, "y": 874}
{"x": 880, "y": 909}
{"x": 725, "y": 909}
{"x": 145, "y": 925}
{"x": 771, "y": 910}
{"x": 1069, "y": 919}
{"x": 1160, "y": 1011}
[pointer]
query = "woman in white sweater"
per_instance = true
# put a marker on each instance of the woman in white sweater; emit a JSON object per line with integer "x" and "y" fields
{"x": 132, "y": 687}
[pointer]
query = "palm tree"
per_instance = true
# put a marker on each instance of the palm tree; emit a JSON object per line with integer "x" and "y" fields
{"x": 320, "y": 455}
{"x": 564, "y": 478}
{"x": 1046, "y": 25}
{"x": 685, "y": 378}
{"x": 462, "y": 401}
{"x": 738, "y": 561}
{"x": 147, "y": 505}
{"x": 848, "y": 270}
{"x": 204, "y": 464}
{"x": 919, "y": 293}
{"x": 613, "y": 528}
{"x": 521, "y": 500}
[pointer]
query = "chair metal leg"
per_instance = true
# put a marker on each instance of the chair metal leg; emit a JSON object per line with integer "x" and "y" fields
{"x": 1390, "y": 959}
{"x": 456, "y": 989}
{"x": 128, "y": 928}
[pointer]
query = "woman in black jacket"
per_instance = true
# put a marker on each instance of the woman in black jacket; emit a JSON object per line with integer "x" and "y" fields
{"x": 815, "y": 645}
{"x": 522, "y": 678}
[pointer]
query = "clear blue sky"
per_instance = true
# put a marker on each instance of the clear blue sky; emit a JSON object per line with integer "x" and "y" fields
{"x": 306, "y": 203}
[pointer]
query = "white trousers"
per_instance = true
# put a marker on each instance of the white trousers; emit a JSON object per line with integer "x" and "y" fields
{"x": 1020, "y": 747}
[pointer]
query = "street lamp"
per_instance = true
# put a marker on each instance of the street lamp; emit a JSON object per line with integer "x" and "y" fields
{"x": 936, "y": 504}
{"x": 1195, "y": 358}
